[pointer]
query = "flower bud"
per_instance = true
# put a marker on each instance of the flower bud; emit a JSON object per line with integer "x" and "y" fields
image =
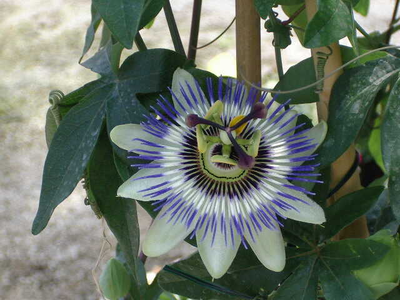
{"x": 114, "y": 280}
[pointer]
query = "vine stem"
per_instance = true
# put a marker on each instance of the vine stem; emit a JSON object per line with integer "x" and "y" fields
{"x": 248, "y": 42}
{"x": 173, "y": 29}
{"x": 392, "y": 21}
{"x": 339, "y": 168}
{"x": 194, "y": 30}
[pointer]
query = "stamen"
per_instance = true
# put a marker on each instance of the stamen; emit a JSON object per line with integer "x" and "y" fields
{"x": 192, "y": 120}
{"x": 223, "y": 160}
{"x": 258, "y": 111}
{"x": 245, "y": 161}
{"x": 255, "y": 139}
{"x": 202, "y": 143}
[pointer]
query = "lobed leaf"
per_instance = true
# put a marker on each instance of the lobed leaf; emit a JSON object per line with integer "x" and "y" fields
{"x": 91, "y": 31}
{"x": 69, "y": 153}
{"x": 302, "y": 284}
{"x": 122, "y": 18}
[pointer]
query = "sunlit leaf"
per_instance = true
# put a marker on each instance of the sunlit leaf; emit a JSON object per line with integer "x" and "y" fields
{"x": 331, "y": 23}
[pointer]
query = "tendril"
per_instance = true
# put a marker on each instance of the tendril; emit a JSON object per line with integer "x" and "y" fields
{"x": 220, "y": 35}
{"x": 320, "y": 80}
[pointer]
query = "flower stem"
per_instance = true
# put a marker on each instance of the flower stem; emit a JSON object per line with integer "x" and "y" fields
{"x": 140, "y": 43}
{"x": 362, "y": 31}
{"x": 294, "y": 16}
{"x": 173, "y": 29}
{"x": 194, "y": 30}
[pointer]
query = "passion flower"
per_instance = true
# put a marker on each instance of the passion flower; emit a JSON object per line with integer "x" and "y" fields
{"x": 222, "y": 170}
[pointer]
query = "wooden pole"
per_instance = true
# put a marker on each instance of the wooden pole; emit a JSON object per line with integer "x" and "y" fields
{"x": 358, "y": 229}
{"x": 248, "y": 45}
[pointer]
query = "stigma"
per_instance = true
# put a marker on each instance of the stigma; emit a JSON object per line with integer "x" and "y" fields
{"x": 245, "y": 150}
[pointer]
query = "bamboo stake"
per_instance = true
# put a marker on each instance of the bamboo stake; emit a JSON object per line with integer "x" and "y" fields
{"x": 358, "y": 229}
{"x": 248, "y": 46}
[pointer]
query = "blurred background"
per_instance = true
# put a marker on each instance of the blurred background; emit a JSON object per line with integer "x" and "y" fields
{"x": 41, "y": 42}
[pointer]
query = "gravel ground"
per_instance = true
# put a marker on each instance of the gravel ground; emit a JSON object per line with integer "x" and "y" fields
{"x": 41, "y": 44}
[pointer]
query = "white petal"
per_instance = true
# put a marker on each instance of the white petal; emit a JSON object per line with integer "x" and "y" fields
{"x": 125, "y": 136}
{"x": 219, "y": 256}
{"x": 271, "y": 130}
{"x": 269, "y": 248}
{"x": 132, "y": 187}
{"x": 309, "y": 212}
{"x": 180, "y": 80}
{"x": 317, "y": 135}
{"x": 162, "y": 235}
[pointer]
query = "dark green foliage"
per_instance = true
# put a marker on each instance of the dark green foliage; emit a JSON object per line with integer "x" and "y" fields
{"x": 391, "y": 147}
{"x": 349, "y": 208}
{"x": 332, "y": 22}
{"x": 299, "y": 75}
{"x": 352, "y": 98}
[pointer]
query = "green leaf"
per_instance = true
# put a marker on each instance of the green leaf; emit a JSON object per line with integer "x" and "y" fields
{"x": 381, "y": 215}
{"x": 246, "y": 275}
{"x": 331, "y": 23}
{"x": 339, "y": 259}
{"x": 353, "y": 254}
{"x": 297, "y": 76}
{"x": 79, "y": 94}
{"x": 114, "y": 280}
{"x": 338, "y": 285}
{"x": 120, "y": 213}
{"x": 91, "y": 31}
{"x": 351, "y": 99}
{"x": 69, "y": 153}
{"x": 122, "y": 18}
{"x": 263, "y": 7}
{"x": 100, "y": 62}
{"x": 390, "y": 132}
{"x": 302, "y": 284}
{"x": 393, "y": 295}
{"x": 349, "y": 208}
{"x": 143, "y": 72}
{"x": 362, "y": 7}
{"x": 150, "y": 11}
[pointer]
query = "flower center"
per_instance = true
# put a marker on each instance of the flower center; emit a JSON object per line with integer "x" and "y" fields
{"x": 233, "y": 152}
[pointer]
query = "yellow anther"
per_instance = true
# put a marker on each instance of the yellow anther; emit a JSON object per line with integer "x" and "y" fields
{"x": 201, "y": 140}
{"x": 223, "y": 159}
{"x": 252, "y": 150}
{"x": 236, "y": 120}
